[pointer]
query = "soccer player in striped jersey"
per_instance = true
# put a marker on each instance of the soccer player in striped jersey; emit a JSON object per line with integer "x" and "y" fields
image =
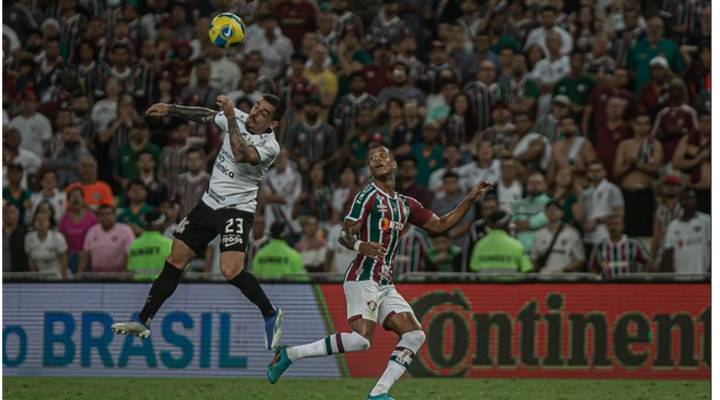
{"x": 618, "y": 254}
{"x": 373, "y": 228}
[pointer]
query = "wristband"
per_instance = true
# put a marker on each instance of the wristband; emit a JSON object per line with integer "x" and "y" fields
{"x": 356, "y": 245}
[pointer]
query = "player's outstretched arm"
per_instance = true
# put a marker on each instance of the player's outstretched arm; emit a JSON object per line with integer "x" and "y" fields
{"x": 242, "y": 150}
{"x": 200, "y": 115}
{"x": 441, "y": 224}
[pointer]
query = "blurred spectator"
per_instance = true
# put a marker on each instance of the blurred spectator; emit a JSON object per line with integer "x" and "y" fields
{"x": 548, "y": 19}
{"x": 459, "y": 127}
{"x": 281, "y": 189}
{"x": 485, "y": 168}
{"x": 453, "y": 196}
{"x": 275, "y": 48}
{"x": 74, "y": 224}
{"x": 92, "y": 73}
{"x": 345, "y": 19}
{"x": 611, "y": 132}
{"x": 49, "y": 193}
{"x": 692, "y": 157}
{"x": 482, "y": 93}
{"x": 517, "y": 89}
{"x": 312, "y": 246}
{"x": 14, "y": 154}
{"x": 602, "y": 200}
{"x": 618, "y": 254}
{"x": 126, "y": 168}
{"x": 596, "y": 108}
{"x": 387, "y": 24}
{"x": 568, "y": 191}
{"x": 147, "y": 253}
{"x": 199, "y": 92}
{"x": 96, "y": 192}
{"x": 529, "y": 213}
{"x": 312, "y": 141}
{"x": 401, "y": 87}
{"x": 224, "y": 73}
{"x": 571, "y": 149}
{"x": 480, "y": 227}
{"x": 549, "y": 124}
{"x": 297, "y": 17}
{"x": 13, "y": 193}
{"x": 34, "y": 127}
{"x": 316, "y": 199}
{"x": 407, "y": 182}
{"x": 409, "y": 132}
{"x": 675, "y": 120}
{"x": 248, "y": 87}
{"x": 686, "y": 249}
{"x": 628, "y": 28}
{"x": 105, "y": 110}
{"x": 277, "y": 260}
{"x": 155, "y": 186}
{"x": 46, "y": 248}
{"x": 600, "y": 64}
{"x": 550, "y": 70}
{"x": 438, "y": 105}
{"x": 379, "y": 72}
{"x": 136, "y": 207}
{"x": 654, "y": 95}
{"x": 106, "y": 244}
{"x": 193, "y": 183}
{"x": 532, "y": 150}
{"x": 557, "y": 247}
{"x": 637, "y": 163}
{"x": 668, "y": 209}
{"x": 509, "y": 190}
{"x": 499, "y": 252}
{"x": 120, "y": 67}
{"x": 451, "y": 162}
{"x": 428, "y": 154}
{"x": 501, "y": 134}
{"x": 347, "y": 107}
{"x": 14, "y": 257}
{"x": 65, "y": 160}
{"x": 414, "y": 253}
{"x": 173, "y": 157}
{"x": 322, "y": 77}
{"x": 343, "y": 193}
{"x": 393, "y": 118}
{"x": 576, "y": 85}
{"x": 446, "y": 256}
{"x": 649, "y": 47}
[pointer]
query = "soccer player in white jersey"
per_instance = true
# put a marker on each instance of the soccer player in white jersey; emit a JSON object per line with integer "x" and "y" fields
{"x": 378, "y": 216}
{"x": 227, "y": 208}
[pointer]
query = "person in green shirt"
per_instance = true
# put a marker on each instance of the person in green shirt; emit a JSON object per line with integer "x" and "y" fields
{"x": 576, "y": 86}
{"x": 428, "y": 153}
{"x": 497, "y": 251}
{"x": 649, "y": 47}
{"x": 149, "y": 251}
{"x": 126, "y": 168}
{"x": 529, "y": 213}
{"x": 136, "y": 207}
{"x": 276, "y": 259}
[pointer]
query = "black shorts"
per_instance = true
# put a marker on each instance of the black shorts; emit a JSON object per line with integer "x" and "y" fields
{"x": 203, "y": 223}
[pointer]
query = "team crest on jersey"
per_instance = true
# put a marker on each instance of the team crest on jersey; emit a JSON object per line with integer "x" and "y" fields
{"x": 372, "y": 305}
{"x": 382, "y": 207}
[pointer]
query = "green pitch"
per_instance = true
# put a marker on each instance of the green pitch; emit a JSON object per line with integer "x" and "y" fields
{"x": 317, "y": 389}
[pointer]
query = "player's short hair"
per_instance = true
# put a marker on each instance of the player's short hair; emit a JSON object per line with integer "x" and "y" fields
{"x": 277, "y": 104}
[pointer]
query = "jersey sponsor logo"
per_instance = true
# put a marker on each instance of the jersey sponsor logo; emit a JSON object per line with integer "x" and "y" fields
{"x": 222, "y": 168}
{"x": 146, "y": 251}
{"x": 386, "y": 224}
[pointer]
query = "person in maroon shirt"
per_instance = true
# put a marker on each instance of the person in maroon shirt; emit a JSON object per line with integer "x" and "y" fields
{"x": 596, "y": 109}
{"x": 611, "y": 132}
{"x": 654, "y": 95}
{"x": 674, "y": 121}
{"x": 407, "y": 172}
{"x": 378, "y": 73}
{"x": 297, "y": 17}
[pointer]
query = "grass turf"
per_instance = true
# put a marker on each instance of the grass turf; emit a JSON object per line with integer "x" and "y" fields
{"x": 80, "y": 388}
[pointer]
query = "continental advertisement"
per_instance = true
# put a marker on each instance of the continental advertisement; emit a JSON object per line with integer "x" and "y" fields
{"x": 575, "y": 330}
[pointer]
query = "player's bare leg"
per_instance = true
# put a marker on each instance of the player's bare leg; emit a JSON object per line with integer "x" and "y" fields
{"x": 161, "y": 290}
{"x": 363, "y": 331}
{"x": 411, "y": 338}
{"x": 232, "y": 266}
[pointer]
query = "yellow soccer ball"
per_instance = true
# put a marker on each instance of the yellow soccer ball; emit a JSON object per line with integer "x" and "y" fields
{"x": 226, "y": 30}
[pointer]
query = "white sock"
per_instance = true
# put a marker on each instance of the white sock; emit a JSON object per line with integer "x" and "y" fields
{"x": 333, "y": 344}
{"x": 401, "y": 358}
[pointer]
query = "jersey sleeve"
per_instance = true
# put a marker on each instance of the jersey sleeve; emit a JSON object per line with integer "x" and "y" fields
{"x": 419, "y": 215}
{"x": 360, "y": 205}
{"x": 221, "y": 121}
{"x": 267, "y": 151}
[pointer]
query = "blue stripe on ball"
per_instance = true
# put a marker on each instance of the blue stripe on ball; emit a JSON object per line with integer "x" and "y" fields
{"x": 220, "y": 41}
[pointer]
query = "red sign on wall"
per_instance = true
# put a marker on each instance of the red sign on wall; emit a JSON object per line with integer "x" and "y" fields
{"x": 548, "y": 330}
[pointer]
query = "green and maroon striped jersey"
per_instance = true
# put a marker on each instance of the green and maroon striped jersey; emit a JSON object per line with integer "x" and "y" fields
{"x": 615, "y": 259}
{"x": 381, "y": 219}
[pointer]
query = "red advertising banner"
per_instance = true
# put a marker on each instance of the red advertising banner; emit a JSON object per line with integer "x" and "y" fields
{"x": 536, "y": 330}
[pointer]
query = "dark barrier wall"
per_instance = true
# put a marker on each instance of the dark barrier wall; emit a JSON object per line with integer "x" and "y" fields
{"x": 549, "y": 330}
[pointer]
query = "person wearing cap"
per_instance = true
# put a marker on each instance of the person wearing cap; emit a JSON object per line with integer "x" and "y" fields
{"x": 499, "y": 252}
{"x": 557, "y": 247}
{"x": 548, "y": 124}
{"x": 277, "y": 260}
{"x": 654, "y": 95}
{"x": 34, "y": 127}
{"x": 147, "y": 253}
{"x": 649, "y": 47}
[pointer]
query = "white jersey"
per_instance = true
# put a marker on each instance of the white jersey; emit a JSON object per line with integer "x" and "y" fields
{"x": 567, "y": 247}
{"x": 235, "y": 184}
{"x": 471, "y": 174}
{"x": 690, "y": 242}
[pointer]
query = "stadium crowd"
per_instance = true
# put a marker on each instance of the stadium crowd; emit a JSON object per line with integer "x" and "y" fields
{"x": 592, "y": 118}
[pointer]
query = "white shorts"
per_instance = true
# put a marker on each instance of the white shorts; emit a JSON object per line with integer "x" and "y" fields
{"x": 374, "y": 302}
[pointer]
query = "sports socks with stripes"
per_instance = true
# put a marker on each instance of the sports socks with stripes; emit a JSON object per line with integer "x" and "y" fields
{"x": 333, "y": 344}
{"x": 401, "y": 358}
